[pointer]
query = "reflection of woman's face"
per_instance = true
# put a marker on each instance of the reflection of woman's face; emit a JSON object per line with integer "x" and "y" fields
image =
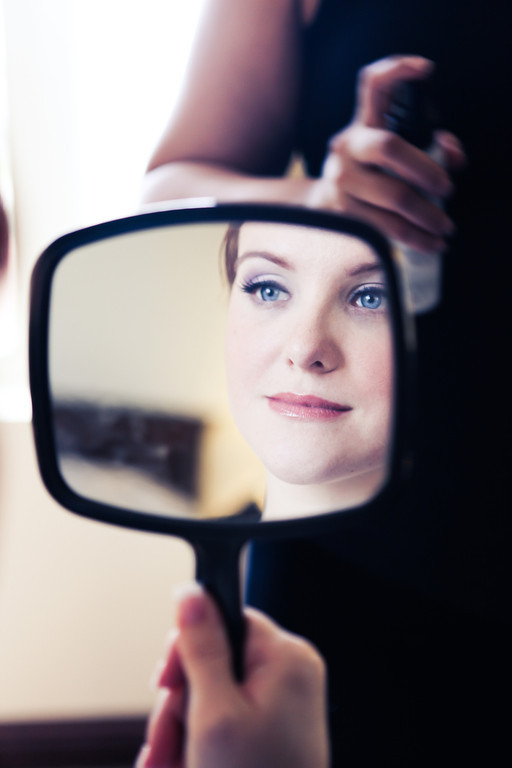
{"x": 309, "y": 358}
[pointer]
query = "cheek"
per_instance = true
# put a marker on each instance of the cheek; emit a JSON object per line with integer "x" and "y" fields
{"x": 233, "y": 353}
{"x": 235, "y": 361}
{"x": 244, "y": 353}
{"x": 373, "y": 366}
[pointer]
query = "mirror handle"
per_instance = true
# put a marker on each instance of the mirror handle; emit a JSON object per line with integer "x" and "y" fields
{"x": 218, "y": 570}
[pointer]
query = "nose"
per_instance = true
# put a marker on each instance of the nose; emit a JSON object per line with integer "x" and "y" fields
{"x": 313, "y": 347}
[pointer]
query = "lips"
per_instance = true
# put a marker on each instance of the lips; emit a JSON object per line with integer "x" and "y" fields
{"x": 306, "y": 407}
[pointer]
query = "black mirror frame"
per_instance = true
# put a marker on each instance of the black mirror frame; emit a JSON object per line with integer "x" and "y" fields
{"x": 198, "y": 531}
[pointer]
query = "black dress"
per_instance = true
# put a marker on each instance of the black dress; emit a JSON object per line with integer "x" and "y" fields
{"x": 413, "y": 613}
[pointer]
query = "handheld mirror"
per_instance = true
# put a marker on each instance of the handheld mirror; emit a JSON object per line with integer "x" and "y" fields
{"x": 219, "y": 373}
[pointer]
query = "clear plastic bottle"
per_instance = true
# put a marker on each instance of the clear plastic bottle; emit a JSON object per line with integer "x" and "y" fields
{"x": 412, "y": 116}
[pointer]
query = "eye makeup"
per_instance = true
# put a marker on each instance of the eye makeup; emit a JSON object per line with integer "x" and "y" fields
{"x": 371, "y": 297}
{"x": 265, "y": 290}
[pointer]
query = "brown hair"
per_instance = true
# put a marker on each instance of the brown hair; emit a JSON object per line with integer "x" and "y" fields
{"x": 229, "y": 251}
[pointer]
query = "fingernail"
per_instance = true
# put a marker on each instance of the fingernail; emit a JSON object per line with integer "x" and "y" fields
{"x": 170, "y": 640}
{"x": 142, "y": 757}
{"x": 157, "y": 675}
{"x": 421, "y": 63}
{"x": 192, "y": 605}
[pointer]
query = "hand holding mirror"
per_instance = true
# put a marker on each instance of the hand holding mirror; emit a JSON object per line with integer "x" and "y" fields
{"x": 192, "y": 367}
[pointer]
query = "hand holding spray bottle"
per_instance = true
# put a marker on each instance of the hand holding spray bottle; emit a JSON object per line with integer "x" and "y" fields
{"x": 412, "y": 117}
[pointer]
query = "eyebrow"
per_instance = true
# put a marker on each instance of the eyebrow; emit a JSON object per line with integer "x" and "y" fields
{"x": 360, "y": 269}
{"x": 279, "y": 260}
{"x": 366, "y": 268}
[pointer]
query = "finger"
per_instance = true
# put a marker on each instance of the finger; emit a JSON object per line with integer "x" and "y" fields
{"x": 266, "y": 640}
{"x": 380, "y": 190}
{"x": 142, "y": 757}
{"x": 395, "y": 227}
{"x": 454, "y": 153}
{"x": 262, "y": 633}
{"x": 166, "y": 702}
{"x": 203, "y": 645}
{"x": 169, "y": 672}
{"x": 377, "y": 81}
{"x": 279, "y": 662}
{"x": 164, "y": 738}
{"x": 350, "y": 181}
{"x": 386, "y": 150}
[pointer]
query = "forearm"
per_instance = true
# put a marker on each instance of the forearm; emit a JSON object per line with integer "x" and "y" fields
{"x": 179, "y": 180}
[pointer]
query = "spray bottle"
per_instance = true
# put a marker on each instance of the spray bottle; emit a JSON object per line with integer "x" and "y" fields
{"x": 411, "y": 116}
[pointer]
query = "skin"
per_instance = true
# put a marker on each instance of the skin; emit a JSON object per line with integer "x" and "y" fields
{"x": 307, "y": 318}
{"x": 276, "y": 717}
{"x": 318, "y": 334}
{"x": 239, "y": 150}
{"x": 240, "y": 147}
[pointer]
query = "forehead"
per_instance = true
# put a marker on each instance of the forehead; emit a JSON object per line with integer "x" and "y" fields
{"x": 295, "y": 244}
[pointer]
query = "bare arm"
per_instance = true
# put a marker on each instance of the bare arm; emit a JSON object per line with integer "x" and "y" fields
{"x": 231, "y": 133}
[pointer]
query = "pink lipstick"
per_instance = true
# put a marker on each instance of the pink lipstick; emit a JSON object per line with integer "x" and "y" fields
{"x": 306, "y": 407}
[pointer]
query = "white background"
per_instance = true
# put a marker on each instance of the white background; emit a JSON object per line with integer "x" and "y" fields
{"x": 84, "y": 608}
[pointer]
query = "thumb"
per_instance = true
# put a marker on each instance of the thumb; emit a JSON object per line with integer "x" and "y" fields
{"x": 377, "y": 81}
{"x": 202, "y": 643}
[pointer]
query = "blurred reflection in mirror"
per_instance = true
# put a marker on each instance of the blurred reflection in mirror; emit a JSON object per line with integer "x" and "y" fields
{"x": 136, "y": 351}
{"x": 144, "y": 328}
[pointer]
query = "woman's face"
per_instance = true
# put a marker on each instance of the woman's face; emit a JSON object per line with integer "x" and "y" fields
{"x": 309, "y": 354}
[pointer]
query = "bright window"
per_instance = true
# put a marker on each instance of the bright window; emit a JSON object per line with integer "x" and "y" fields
{"x": 90, "y": 86}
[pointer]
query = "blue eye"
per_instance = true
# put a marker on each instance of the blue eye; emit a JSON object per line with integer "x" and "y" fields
{"x": 370, "y": 297}
{"x": 268, "y": 293}
{"x": 265, "y": 291}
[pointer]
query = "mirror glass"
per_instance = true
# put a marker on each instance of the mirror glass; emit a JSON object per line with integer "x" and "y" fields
{"x": 196, "y": 367}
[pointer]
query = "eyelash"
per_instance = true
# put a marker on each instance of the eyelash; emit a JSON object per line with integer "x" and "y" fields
{"x": 374, "y": 290}
{"x": 251, "y": 287}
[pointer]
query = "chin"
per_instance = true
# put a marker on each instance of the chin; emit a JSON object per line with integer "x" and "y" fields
{"x": 313, "y": 471}
{"x": 303, "y": 472}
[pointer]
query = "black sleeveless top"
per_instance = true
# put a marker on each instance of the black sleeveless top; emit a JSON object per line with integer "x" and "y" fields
{"x": 469, "y": 40}
{"x": 413, "y": 613}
